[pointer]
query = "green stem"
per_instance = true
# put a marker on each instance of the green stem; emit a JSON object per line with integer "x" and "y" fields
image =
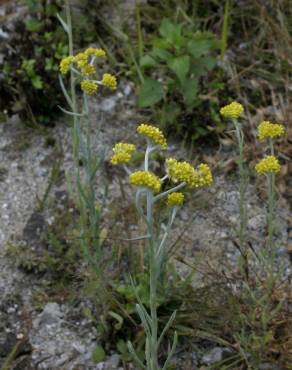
{"x": 153, "y": 287}
{"x": 271, "y": 203}
{"x": 90, "y": 187}
{"x": 242, "y": 190}
{"x": 75, "y": 129}
{"x": 161, "y": 195}
{"x": 271, "y": 206}
{"x": 152, "y": 348}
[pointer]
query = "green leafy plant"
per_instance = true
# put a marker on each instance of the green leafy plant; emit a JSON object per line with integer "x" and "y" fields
{"x": 173, "y": 73}
{"x": 29, "y": 69}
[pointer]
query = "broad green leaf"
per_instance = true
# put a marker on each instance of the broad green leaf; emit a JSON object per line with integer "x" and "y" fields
{"x": 37, "y": 82}
{"x": 98, "y": 354}
{"x": 151, "y": 92}
{"x": 180, "y": 66}
{"x": 170, "y": 31}
{"x": 161, "y": 43}
{"x": 162, "y": 54}
{"x": 189, "y": 89}
{"x": 210, "y": 62}
{"x": 201, "y": 66}
{"x": 147, "y": 61}
{"x": 197, "y": 48}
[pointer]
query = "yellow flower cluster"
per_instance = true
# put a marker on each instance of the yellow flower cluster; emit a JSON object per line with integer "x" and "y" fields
{"x": 86, "y": 69}
{"x": 89, "y": 86}
{"x": 109, "y": 81}
{"x": 152, "y": 133}
{"x": 233, "y": 110}
{"x": 80, "y": 57}
{"x": 179, "y": 171}
{"x": 81, "y": 60}
{"x": 96, "y": 52}
{"x": 269, "y": 164}
{"x": 84, "y": 63}
{"x": 267, "y": 130}
{"x": 184, "y": 172}
{"x": 205, "y": 175}
{"x": 145, "y": 179}
{"x": 123, "y": 153}
{"x": 175, "y": 199}
{"x": 65, "y": 64}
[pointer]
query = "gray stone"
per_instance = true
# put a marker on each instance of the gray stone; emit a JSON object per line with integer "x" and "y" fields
{"x": 51, "y": 315}
{"x": 113, "y": 362}
{"x": 215, "y": 355}
{"x": 268, "y": 366}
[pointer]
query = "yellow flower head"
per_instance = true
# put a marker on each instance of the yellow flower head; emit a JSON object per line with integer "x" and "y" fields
{"x": 175, "y": 199}
{"x": 96, "y": 52}
{"x": 233, "y": 110}
{"x": 89, "y": 86}
{"x": 269, "y": 164}
{"x": 109, "y": 81}
{"x": 179, "y": 171}
{"x": 205, "y": 175}
{"x": 184, "y": 172}
{"x": 80, "y": 57}
{"x": 145, "y": 179}
{"x": 123, "y": 153}
{"x": 267, "y": 130}
{"x": 65, "y": 64}
{"x": 87, "y": 69}
{"x": 152, "y": 133}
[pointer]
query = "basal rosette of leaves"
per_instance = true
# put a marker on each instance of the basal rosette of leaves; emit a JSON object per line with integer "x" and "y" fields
{"x": 175, "y": 71}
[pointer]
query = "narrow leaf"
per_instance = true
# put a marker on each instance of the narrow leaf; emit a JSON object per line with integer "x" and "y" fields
{"x": 171, "y": 352}
{"x": 69, "y": 101}
{"x": 135, "y": 356}
{"x": 63, "y": 23}
{"x": 167, "y": 326}
{"x": 70, "y": 113}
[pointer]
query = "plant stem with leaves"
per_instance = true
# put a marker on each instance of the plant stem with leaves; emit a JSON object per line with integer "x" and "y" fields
{"x": 243, "y": 181}
{"x": 156, "y": 250}
{"x": 85, "y": 177}
{"x": 182, "y": 174}
{"x": 271, "y": 203}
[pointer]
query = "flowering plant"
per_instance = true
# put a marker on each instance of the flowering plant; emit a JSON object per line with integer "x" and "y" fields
{"x": 82, "y": 69}
{"x": 269, "y": 166}
{"x": 149, "y": 185}
{"x": 234, "y": 111}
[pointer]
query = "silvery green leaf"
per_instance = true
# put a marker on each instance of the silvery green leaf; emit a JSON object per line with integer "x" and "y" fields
{"x": 63, "y": 23}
